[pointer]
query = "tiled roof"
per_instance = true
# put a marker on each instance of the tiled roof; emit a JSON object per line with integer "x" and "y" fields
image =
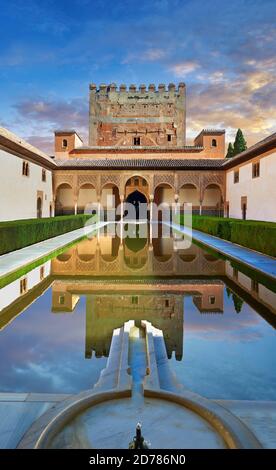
{"x": 211, "y": 132}
{"x": 139, "y": 148}
{"x": 155, "y": 163}
{"x": 67, "y": 131}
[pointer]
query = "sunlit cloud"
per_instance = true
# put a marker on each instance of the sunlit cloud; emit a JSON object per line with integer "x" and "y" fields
{"x": 184, "y": 68}
{"x": 59, "y": 114}
{"x": 50, "y": 58}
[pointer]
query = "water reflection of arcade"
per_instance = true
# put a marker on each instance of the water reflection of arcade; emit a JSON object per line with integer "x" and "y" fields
{"x": 104, "y": 255}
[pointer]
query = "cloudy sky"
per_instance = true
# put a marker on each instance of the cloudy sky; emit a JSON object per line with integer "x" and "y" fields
{"x": 51, "y": 49}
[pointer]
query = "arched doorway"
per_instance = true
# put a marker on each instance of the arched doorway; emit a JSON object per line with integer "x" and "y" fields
{"x": 164, "y": 200}
{"x": 136, "y": 198}
{"x": 86, "y": 198}
{"x": 110, "y": 200}
{"x": 212, "y": 201}
{"x": 189, "y": 193}
{"x": 136, "y": 183}
{"x": 64, "y": 200}
{"x": 39, "y": 207}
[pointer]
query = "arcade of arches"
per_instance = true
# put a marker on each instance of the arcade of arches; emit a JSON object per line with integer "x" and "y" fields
{"x": 76, "y": 191}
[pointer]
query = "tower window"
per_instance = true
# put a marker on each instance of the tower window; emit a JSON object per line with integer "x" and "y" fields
{"x": 255, "y": 286}
{"x": 64, "y": 143}
{"x": 212, "y": 299}
{"x": 43, "y": 175}
{"x": 25, "y": 169}
{"x": 235, "y": 273}
{"x": 214, "y": 142}
{"x": 23, "y": 285}
{"x": 167, "y": 303}
{"x": 136, "y": 141}
{"x": 61, "y": 300}
{"x": 169, "y": 137}
{"x": 256, "y": 170}
{"x": 236, "y": 176}
{"x": 42, "y": 273}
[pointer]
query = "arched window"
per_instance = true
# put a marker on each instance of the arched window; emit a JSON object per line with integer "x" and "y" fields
{"x": 64, "y": 143}
{"x": 25, "y": 169}
{"x": 214, "y": 142}
{"x": 39, "y": 207}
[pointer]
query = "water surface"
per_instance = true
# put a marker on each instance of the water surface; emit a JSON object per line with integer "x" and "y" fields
{"x": 218, "y": 321}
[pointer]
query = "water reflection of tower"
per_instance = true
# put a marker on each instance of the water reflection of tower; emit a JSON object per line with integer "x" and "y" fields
{"x": 106, "y": 312}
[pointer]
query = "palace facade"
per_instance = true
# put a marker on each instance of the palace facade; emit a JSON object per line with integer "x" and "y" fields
{"x": 137, "y": 152}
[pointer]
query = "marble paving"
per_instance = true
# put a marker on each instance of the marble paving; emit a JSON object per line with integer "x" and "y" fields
{"x": 111, "y": 425}
{"x": 18, "y": 411}
{"x": 16, "y": 259}
{"x": 255, "y": 260}
{"x": 260, "y": 417}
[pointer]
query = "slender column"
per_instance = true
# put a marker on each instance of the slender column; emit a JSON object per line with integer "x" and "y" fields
{"x": 99, "y": 207}
{"x": 75, "y": 205}
{"x": 75, "y": 193}
{"x": 122, "y": 198}
{"x": 200, "y": 207}
{"x": 222, "y": 208}
{"x": 98, "y": 217}
{"x": 176, "y": 198}
{"x": 54, "y": 205}
{"x": 151, "y": 198}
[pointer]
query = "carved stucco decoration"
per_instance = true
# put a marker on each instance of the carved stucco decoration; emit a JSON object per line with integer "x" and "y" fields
{"x": 63, "y": 179}
{"x": 189, "y": 178}
{"x": 111, "y": 178}
{"x": 88, "y": 179}
{"x": 164, "y": 178}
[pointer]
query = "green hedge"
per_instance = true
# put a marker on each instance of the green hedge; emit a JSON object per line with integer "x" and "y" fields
{"x": 257, "y": 235}
{"x": 20, "y": 233}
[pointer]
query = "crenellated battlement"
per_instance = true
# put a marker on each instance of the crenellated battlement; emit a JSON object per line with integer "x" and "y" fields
{"x": 122, "y": 115}
{"x": 134, "y": 89}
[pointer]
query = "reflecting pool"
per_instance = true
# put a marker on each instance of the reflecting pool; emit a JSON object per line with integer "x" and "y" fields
{"x": 218, "y": 319}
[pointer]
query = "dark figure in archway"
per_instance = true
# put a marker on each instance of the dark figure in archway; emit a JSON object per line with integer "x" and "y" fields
{"x": 136, "y": 198}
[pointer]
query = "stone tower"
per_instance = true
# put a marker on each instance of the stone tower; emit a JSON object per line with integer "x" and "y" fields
{"x": 144, "y": 116}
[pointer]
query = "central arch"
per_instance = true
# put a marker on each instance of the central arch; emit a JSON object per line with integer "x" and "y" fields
{"x": 137, "y": 183}
{"x": 136, "y": 198}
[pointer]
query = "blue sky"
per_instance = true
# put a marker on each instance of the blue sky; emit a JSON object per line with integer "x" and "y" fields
{"x": 51, "y": 50}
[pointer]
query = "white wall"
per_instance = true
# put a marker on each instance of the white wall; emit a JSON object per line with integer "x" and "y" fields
{"x": 260, "y": 192}
{"x": 18, "y": 192}
{"x": 11, "y": 292}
